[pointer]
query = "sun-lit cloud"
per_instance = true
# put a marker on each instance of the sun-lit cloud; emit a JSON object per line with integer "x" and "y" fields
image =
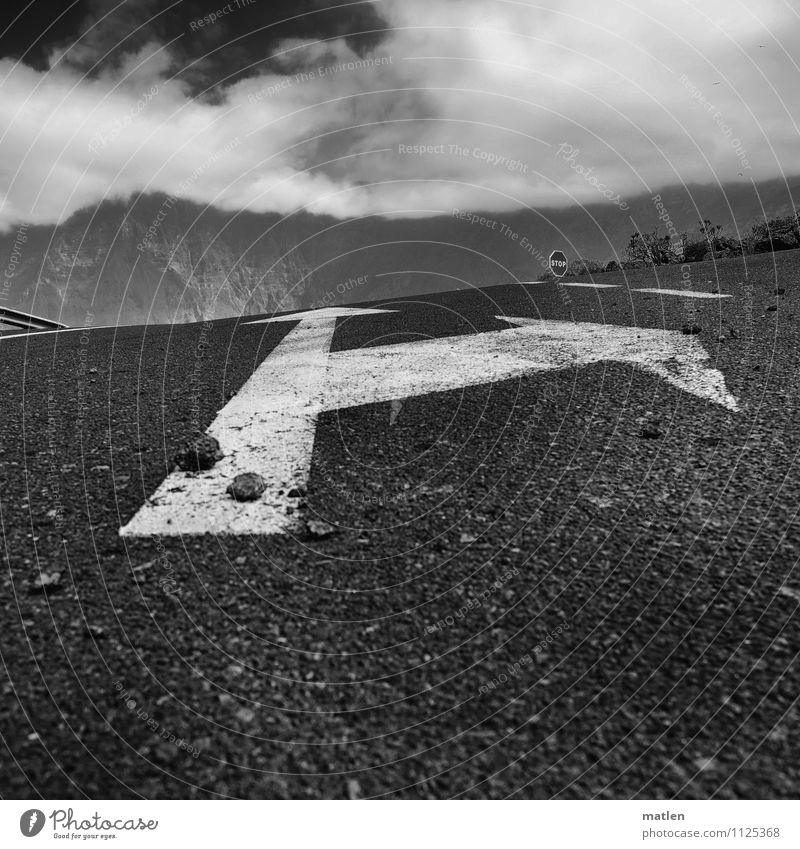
{"x": 458, "y": 103}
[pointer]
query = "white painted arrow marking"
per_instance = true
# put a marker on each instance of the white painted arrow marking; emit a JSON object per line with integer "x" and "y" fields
{"x": 372, "y": 375}
{"x": 269, "y": 426}
{"x": 326, "y": 316}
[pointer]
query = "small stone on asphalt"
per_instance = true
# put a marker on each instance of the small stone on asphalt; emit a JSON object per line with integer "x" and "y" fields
{"x": 650, "y": 430}
{"x": 320, "y": 529}
{"x": 46, "y": 582}
{"x": 247, "y": 487}
{"x": 244, "y": 714}
{"x": 198, "y": 454}
{"x": 791, "y": 593}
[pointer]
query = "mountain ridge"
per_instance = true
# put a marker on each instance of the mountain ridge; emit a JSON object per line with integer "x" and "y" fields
{"x": 161, "y": 260}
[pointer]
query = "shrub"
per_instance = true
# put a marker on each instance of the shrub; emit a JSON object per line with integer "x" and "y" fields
{"x": 579, "y": 267}
{"x": 711, "y": 243}
{"x": 695, "y": 251}
{"x": 650, "y": 249}
{"x": 777, "y": 234}
{"x": 726, "y": 246}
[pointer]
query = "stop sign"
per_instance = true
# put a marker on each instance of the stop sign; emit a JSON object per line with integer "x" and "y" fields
{"x": 558, "y": 263}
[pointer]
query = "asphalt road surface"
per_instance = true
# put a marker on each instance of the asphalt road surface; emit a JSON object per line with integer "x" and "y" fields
{"x": 574, "y": 583}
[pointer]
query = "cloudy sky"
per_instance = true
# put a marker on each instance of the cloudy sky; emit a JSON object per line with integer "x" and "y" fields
{"x": 394, "y": 107}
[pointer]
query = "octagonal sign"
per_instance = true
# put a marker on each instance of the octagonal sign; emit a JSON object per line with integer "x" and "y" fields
{"x": 558, "y": 263}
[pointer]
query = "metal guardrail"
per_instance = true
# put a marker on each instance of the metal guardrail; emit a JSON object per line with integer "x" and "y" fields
{"x": 28, "y": 322}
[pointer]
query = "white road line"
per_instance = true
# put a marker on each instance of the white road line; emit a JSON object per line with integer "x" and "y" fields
{"x": 269, "y": 426}
{"x": 593, "y": 285}
{"x": 682, "y": 293}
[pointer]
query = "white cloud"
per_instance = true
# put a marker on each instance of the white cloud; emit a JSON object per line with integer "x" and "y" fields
{"x": 650, "y": 93}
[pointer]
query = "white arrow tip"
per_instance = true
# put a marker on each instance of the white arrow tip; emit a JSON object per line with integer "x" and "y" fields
{"x": 321, "y": 315}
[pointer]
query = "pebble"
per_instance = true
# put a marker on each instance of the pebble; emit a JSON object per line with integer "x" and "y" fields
{"x": 198, "y": 454}
{"x": 320, "y": 529}
{"x": 247, "y": 487}
{"x": 46, "y": 582}
{"x": 790, "y": 593}
{"x": 650, "y": 430}
{"x": 245, "y": 715}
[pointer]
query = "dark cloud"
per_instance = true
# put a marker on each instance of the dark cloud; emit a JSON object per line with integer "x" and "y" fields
{"x": 210, "y": 42}
{"x": 29, "y": 29}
